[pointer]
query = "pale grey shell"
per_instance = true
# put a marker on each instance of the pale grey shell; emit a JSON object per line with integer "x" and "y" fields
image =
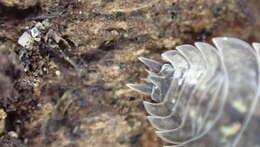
{"x": 204, "y": 95}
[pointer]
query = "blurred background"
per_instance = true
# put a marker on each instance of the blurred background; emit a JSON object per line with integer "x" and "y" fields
{"x": 64, "y": 64}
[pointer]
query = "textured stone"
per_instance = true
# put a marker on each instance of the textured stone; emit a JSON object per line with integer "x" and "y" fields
{"x": 20, "y": 4}
{"x": 94, "y": 45}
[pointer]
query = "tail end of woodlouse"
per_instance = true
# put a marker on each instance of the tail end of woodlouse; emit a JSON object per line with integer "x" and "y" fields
{"x": 164, "y": 123}
{"x": 141, "y": 88}
{"x": 151, "y": 64}
{"x": 188, "y": 107}
{"x": 256, "y": 46}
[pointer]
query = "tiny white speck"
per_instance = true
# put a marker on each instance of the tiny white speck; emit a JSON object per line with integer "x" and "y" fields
{"x": 57, "y": 73}
{"x": 173, "y": 101}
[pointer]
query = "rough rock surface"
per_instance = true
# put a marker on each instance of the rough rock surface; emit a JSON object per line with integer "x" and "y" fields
{"x": 68, "y": 89}
{"x": 20, "y": 4}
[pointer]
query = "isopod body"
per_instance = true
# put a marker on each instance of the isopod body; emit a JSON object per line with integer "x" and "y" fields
{"x": 205, "y": 95}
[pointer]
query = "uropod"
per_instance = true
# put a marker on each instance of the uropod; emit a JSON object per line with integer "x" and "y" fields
{"x": 205, "y": 95}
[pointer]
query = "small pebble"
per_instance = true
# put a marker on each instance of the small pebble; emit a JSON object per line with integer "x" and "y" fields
{"x": 35, "y": 32}
{"x": 26, "y": 40}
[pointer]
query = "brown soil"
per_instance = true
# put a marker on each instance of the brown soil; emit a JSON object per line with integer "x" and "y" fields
{"x": 69, "y": 88}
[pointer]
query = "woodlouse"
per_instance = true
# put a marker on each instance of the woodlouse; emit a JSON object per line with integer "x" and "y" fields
{"x": 205, "y": 95}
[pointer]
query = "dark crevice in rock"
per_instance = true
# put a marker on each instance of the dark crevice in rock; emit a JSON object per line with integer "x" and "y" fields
{"x": 9, "y": 13}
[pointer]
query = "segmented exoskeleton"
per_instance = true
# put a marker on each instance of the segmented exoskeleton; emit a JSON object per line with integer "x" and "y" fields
{"x": 204, "y": 95}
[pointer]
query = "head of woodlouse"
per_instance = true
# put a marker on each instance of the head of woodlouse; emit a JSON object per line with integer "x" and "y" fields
{"x": 205, "y": 95}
